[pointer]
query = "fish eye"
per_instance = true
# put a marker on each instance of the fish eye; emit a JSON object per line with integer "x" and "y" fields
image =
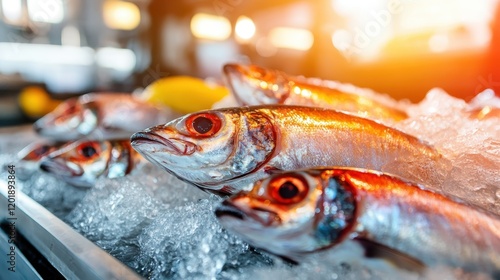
{"x": 87, "y": 149}
{"x": 70, "y": 108}
{"x": 288, "y": 189}
{"x": 67, "y": 112}
{"x": 204, "y": 124}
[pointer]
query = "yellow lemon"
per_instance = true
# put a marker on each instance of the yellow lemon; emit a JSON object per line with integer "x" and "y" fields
{"x": 36, "y": 102}
{"x": 184, "y": 94}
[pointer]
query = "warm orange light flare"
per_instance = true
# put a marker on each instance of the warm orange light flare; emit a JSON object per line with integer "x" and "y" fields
{"x": 121, "y": 15}
{"x": 291, "y": 38}
{"x": 244, "y": 29}
{"x": 211, "y": 27}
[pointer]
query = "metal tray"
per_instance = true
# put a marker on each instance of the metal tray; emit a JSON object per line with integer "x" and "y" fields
{"x": 74, "y": 256}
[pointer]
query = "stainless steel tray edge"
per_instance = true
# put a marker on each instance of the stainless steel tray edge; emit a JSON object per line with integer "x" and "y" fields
{"x": 70, "y": 253}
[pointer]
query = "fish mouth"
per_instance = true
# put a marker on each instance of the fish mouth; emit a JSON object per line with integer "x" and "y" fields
{"x": 60, "y": 168}
{"x": 170, "y": 145}
{"x": 229, "y": 209}
{"x": 262, "y": 216}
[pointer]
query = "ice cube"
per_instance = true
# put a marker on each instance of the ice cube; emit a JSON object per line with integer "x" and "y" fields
{"x": 471, "y": 145}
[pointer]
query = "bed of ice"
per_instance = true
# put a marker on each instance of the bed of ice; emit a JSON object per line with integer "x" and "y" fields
{"x": 164, "y": 228}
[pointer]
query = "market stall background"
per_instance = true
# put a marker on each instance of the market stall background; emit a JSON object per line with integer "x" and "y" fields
{"x": 403, "y": 48}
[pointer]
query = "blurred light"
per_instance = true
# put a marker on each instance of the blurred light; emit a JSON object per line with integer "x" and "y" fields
{"x": 445, "y": 14}
{"x": 118, "y": 59}
{"x": 353, "y": 7}
{"x": 245, "y": 28}
{"x": 205, "y": 26}
{"x": 121, "y": 15}
{"x": 342, "y": 40}
{"x": 439, "y": 43}
{"x": 264, "y": 48}
{"x": 291, "y": 38}
{"x": 13, "y": 11}
{"x": 343, "y": 7}
{"x": 46, "y": 54}
{"x": 49, "y": 11}
{"x": 70, "y": 36}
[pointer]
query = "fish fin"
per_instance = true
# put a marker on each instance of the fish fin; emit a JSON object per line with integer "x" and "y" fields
{"x": 392, "y": 256}
{"x": 272, "y": 170}
{"x": 225, "y": 192}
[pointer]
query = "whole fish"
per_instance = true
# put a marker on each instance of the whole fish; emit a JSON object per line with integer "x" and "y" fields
{"x": 100, "y": 116}
{"x": 225, "y": 150}
{"x": 81, "y": 163}
{"x": 296, "y": 213}
{"x": 254, "y": 85}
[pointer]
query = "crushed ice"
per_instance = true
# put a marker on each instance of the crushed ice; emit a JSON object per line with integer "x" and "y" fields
{"x": 471, "y": 144}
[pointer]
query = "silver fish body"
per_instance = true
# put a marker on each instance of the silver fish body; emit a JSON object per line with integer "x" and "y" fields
{"x": 296, "y": 213}
{"x": 81, "y": 163}
{"x": 242, "y": 145}
{"x": 254, "y": 85}
{"x": 100, "y": 116}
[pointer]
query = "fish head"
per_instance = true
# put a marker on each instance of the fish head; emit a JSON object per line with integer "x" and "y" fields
{"x": 30, "y": 156}
{"x": 254, "y": 85}
{"x": 79, "y": 163}
{"x": 210, "y": 148}
{"x": 69, "y": 121}
{"x": 290, "y": 214}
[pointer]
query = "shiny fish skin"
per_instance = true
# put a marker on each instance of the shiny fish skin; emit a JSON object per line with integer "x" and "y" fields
{"x": 81, "y": 163}
{"x": 253, "y": 141}
{"x": 100, "y": 116}
{"x": 344, "y": 203}
{"x": 254, "y": 85}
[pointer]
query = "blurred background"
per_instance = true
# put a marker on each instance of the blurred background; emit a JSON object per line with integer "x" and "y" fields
{"x": 400, "y": 47}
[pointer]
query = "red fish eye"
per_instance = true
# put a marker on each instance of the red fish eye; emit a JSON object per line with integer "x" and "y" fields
{"x": 87, "y": 150}
{"x": 204, "y": 124}
{"x": 42, "y": 150}
{"x": 288, "y": 189}
{"x": 70, "y": 110}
